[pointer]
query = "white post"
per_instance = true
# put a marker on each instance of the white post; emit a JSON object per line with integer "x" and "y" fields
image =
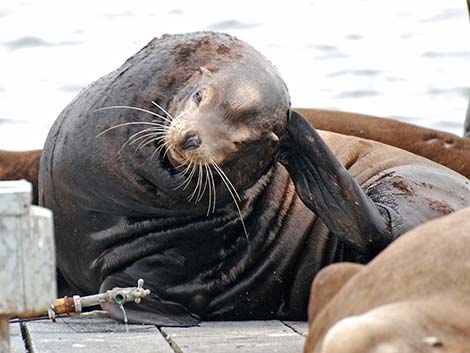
{"x": 27, "y": 257}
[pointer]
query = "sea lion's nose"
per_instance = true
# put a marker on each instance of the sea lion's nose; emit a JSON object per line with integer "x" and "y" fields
{"x": 191, "y": 140}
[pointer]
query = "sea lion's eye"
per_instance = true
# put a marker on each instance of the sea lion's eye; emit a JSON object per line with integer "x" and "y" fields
{"x": 198, "y": 97}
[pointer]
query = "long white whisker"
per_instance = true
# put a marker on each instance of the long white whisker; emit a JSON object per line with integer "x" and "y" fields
{"x": 222, "y": 174}
{"x": 193, "y": 168}
{"x": 158, "y": 149}
{"x": 130, "y": 142}
{"x": 210, "y": 190}
{"x": 131, "y": 123}
{"x": 188, "y": 168}
{"x": 146, "y": 142}
{"x": 167, "y": 149}
{"x": 159, "y": 107}
{"x": 205, "y": 184}
{"x": 133, "y": 108}
{"x": 214, "y": 193}
{"x": 234, "y": 200}
{"x": 182, "y": 174}
{"x": 150, "y": 129}
{"x": 197, "y": 183}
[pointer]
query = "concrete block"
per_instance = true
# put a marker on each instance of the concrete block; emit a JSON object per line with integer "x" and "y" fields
{"x": 27, "y": 257}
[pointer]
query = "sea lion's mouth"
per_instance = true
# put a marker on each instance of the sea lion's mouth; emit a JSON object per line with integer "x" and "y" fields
{"x": 176, "y": 158}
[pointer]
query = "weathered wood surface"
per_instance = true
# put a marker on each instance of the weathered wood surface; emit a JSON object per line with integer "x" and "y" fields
{"x": 240, "y": 336}
{"x": 99, "y": 334}
{"x": 92, "y": 335}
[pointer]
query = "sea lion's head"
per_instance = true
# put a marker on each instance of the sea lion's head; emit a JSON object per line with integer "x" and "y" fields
{"x": 230, "y": 120}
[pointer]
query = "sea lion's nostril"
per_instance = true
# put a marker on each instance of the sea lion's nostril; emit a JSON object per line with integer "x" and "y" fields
{"x": 191, "y": 140}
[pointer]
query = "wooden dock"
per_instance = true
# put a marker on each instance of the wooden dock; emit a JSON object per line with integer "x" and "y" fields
{"x": 94, "y": 333}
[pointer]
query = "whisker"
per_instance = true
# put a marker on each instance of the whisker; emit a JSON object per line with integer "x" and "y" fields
{"x": 197, "y": 183}
{"x": 190, "y": 178}
{"x": 130, "y": 123}
{"x": 146, "y": 142}
{"x": 133, "y": 108}
{"x": 210, "y": 190}
{"x": 180, "y": 166}
{"x": 233, "y": 197}
{"x": 150, "y": 129}
{"x": 226, "y": 178}
{"x": 188, "y": 167}
{"x": 181, "y": 175}
{"x": 158, "y": 149}
{"x": 159, "y": 107}
{"x": 214, "y": 194}
{"x": 167, "y": 149}
{"x": 133, "y": 139}
{"x": 205, "y": 184}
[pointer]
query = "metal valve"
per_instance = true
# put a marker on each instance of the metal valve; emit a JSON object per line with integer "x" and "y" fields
{"x": 67, "y": 305}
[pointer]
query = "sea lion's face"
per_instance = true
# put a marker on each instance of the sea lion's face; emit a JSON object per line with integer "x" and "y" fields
{"x": 228, "y": 120}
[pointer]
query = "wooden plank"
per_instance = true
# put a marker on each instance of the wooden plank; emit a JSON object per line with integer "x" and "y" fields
{"x": 94, "y": 334}
{"x": 239, "y": 336}
{"x": 301, "y": 327}
{"x": 16, "y": 340}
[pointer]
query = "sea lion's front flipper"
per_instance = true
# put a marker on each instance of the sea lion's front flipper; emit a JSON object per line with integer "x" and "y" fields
{"x": 151, "y": 310}
{"x": 327, "y": 188}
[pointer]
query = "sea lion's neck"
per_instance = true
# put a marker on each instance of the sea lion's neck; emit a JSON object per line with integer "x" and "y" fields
{"x": 219, "y": 229}
{"x": 224, "y": 252}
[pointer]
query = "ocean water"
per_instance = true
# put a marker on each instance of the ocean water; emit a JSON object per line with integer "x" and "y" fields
{"x": 406, "y": 59}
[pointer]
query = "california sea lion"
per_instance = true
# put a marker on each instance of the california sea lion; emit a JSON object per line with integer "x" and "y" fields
{"x": 413, "y": 297}
{"x": 16, "y": 165}
{"x": 442, "y": 147}
{"x": 166, "y": 170}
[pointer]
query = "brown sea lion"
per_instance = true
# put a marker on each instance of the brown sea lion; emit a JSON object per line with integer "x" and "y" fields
{"x": 412, "y": 298}
{"x": 166, "y": 169}
{"x": 442, "y": 147}
{"x": 16, "y": 165}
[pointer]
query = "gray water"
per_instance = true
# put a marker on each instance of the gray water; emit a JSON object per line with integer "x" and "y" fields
{"x": 407, "y": 59}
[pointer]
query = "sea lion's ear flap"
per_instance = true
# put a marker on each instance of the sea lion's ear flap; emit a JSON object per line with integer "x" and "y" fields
{"x": 203, "y": 71}
{"x": 152, "y": 310}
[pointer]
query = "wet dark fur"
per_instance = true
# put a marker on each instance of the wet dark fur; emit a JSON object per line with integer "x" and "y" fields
{"x": 118, "y": 217}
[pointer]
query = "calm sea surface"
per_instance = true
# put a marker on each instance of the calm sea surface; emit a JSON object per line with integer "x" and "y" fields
{"x": 408, "y": 59}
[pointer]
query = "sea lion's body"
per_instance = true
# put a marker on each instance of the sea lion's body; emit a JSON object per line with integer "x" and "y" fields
{"x": 413, "y": 297}
{"x": 121, "y": 215}
{"x": 16, "y": 165}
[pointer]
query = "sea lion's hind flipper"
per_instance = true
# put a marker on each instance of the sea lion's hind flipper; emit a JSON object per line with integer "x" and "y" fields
{"x": 151, "y": 310}
{"x": 327, "y": 188}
